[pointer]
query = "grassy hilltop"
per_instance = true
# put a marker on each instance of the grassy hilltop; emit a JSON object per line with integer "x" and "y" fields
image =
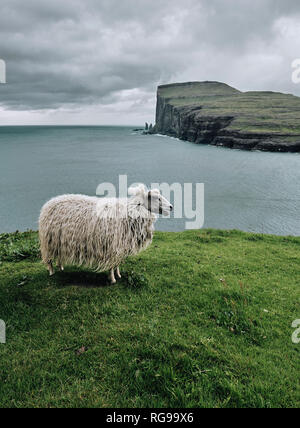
{"x": 215, "y": 113}
{"x": 202, "y": 318}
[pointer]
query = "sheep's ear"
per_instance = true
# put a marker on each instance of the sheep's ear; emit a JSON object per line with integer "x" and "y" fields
{"x": 137, "y": 190}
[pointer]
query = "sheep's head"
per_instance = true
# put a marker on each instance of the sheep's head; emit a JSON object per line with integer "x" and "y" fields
{"x": 152, "y": 200}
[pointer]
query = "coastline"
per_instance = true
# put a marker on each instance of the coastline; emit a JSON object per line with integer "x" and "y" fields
{"x": 214, "y": 113}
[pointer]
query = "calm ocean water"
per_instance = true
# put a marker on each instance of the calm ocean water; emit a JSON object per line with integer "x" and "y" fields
{"x": 252, "y": 191}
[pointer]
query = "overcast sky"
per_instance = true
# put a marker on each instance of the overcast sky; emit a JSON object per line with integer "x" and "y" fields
{"x": 100, "y": 61}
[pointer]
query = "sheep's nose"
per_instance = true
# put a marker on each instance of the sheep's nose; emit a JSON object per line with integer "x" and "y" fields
{"x": 171, "y": 207}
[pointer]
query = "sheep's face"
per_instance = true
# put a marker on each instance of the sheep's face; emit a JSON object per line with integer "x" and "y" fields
{"x": 152, "y": 200}
{"x": 156, "y": 203}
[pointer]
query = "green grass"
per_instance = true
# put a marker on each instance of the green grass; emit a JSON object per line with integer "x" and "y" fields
{"x": 254, "y": 112}
{"x": 201, "y": 319}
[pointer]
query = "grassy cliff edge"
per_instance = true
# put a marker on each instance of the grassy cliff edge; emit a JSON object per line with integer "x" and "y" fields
{"x": 215, "y": 113}
{"x": 201, "y": 319}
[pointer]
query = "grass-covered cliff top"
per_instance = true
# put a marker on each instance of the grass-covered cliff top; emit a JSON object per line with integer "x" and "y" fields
{"x": 253, "y": 112}
{"x": 202, "y": 318}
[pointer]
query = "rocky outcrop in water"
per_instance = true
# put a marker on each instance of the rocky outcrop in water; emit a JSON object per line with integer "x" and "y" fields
{"x": 215, "y": 113}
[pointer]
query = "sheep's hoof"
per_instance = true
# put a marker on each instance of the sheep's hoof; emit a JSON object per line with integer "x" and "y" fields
{"x": 113, "y": 282}
{"x": 62, "y": 268}
{"x": 51, "y": 273}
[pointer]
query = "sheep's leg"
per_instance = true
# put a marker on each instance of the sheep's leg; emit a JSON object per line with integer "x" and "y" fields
{"x": 60, "y": 266}
{"x": 50, "y": 268}
{"x": 118, "y": 273}
{"x": 112, "y": 276}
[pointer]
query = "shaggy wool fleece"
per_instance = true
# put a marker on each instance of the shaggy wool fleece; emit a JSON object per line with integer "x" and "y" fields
{"x": 95, "y": 232}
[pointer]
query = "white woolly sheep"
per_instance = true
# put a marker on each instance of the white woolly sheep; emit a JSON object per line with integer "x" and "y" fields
{"x": 99, "y": 233}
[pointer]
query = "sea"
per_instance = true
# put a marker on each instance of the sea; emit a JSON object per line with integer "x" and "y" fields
{"x": 251, "y": 191}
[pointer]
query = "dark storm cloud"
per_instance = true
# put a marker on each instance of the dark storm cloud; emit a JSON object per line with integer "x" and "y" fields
{"x": 83, "y": 52}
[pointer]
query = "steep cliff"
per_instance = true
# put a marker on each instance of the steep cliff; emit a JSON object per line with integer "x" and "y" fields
{"x": 215, "y": 113}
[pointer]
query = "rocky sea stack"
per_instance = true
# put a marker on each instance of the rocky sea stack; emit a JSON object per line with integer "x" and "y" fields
{"x": 215, "y": 113}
